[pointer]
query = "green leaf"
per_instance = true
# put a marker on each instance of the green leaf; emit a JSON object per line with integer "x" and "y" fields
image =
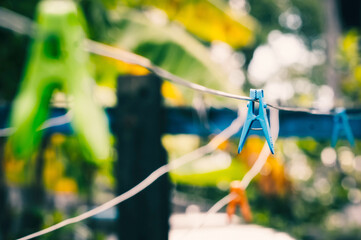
{"x": 170, "y": 47}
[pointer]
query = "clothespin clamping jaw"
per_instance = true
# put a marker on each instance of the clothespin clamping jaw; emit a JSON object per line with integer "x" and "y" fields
{"x": 340, "y": 121}
{"x": 261, "y": 117}
{"x": 238, "y": 198}
{"x": 58, "y": 61}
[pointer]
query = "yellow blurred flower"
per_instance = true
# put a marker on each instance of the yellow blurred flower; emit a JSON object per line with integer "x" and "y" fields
{"x": 172, "y": 94}
{"x": 57, "y": 138}
{"x": 66, "y": 185}
{"x": 131, "y": 69}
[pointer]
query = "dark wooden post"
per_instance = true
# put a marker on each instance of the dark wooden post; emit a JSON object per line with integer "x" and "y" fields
{"x": 138, "y": 126}
{"x": 32, "y": 216}
{"x": 5, "y": 210}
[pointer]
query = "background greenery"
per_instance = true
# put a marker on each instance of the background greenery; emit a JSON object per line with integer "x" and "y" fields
{"x": 181, "y": 36}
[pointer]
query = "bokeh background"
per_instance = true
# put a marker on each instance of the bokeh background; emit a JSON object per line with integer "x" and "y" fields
{"x": 303, "y": 53}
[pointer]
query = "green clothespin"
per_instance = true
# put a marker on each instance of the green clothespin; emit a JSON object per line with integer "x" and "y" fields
{"x": 57, "y": 60}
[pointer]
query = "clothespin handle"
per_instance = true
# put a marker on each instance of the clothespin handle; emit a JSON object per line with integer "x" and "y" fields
{"x": 261, "y": 117}
{"x": 341, "y": 122}
{"x": 57, "y": 60}
{"x": 239, "y": 197}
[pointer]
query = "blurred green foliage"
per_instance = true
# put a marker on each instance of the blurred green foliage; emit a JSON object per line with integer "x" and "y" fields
{"x": 312, "y": 207}
{"x": 12, "y": 56}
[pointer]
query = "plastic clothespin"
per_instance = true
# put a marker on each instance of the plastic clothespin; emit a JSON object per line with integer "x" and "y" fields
{"x": 341, "y": 122}
{"x": 261, "y": 117}
{"x": 57, "y": 60}
{"x": 239, "y": 198}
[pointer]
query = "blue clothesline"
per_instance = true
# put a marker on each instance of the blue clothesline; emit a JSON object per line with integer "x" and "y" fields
{"x": 184, "y": 120}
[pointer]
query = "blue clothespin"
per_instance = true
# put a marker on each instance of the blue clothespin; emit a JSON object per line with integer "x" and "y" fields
{"x": 340, "y": 120}
{"x": 256, "y": 94}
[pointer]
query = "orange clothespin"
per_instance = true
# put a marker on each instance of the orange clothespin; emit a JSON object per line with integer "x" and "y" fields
{"x": 239, "y": 197}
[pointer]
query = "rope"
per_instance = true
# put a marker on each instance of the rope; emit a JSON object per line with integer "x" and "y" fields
{"x": 24, "y": 25}
{"x": 247, "y": 178}
{"x": 196, "y": 154}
